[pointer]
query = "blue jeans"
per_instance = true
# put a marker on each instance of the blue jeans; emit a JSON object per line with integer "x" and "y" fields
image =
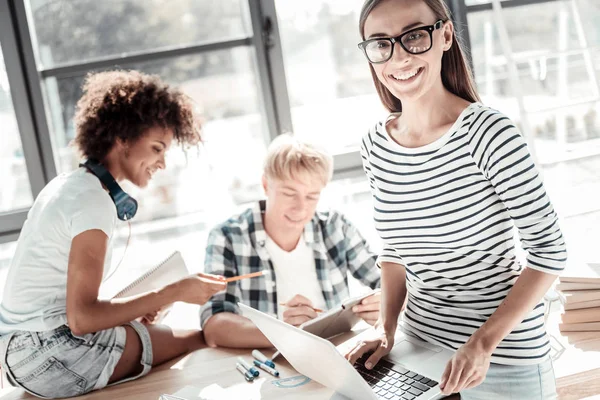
{"x": 517, "y": 382}
{"x": 57, "y": 364}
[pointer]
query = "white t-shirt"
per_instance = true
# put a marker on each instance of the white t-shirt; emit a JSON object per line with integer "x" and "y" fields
{"x": 36, "y": 286}
{"x": 295, "y": 273}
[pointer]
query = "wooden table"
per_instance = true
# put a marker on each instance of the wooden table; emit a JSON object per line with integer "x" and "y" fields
{"x": 211, "y": 369}
{"x": 577, "y": 371}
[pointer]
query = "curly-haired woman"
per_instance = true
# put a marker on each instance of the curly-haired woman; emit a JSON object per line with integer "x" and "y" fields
{"x": 58, "y": 339}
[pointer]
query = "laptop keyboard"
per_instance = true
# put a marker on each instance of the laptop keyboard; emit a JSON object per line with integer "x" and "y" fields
{"x": 393, "y": 382}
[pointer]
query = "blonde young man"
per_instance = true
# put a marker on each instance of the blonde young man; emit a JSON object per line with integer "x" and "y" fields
{"x": 309, "y": 253}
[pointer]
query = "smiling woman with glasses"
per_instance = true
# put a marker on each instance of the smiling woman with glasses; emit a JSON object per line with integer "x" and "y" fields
{"x": 450, "y": 179}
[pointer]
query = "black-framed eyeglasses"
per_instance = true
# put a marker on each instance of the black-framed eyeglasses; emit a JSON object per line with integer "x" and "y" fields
{"x": 415, "y": 41}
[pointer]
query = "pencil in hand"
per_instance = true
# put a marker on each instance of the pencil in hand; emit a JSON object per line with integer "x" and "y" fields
{"x": 315, "y": 309}
{"x": 247, "y": 276}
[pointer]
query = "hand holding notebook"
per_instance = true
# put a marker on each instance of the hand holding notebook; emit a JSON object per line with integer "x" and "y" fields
{"x": 170, "y": 270}
{"x": 197, "y": 288}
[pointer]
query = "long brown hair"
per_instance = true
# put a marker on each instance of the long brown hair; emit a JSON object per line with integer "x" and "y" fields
{"x": 456, "y": 72}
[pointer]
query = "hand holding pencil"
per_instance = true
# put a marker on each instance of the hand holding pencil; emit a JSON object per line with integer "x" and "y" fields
{"x": 299, "y": 310}
{"x": 247, "y": 276}
{"x": 198, "y": 288}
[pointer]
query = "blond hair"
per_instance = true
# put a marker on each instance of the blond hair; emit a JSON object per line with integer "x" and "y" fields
{"x": 292, "y": 158}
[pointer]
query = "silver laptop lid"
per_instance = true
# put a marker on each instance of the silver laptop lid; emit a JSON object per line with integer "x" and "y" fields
{"x": 311, "y": 355}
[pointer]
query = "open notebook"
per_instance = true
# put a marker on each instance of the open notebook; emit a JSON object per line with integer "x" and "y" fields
{"x": 166, "y": 272}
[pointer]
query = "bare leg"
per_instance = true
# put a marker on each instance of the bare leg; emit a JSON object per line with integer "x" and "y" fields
{"x": 166, "y": 345}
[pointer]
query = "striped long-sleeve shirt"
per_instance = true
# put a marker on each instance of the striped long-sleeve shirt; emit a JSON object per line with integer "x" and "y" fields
{"x": 447, "y": 211}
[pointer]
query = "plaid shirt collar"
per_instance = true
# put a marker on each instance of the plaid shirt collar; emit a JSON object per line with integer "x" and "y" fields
{"x": 312, "y": 231}
{"x": 314, "y": 240}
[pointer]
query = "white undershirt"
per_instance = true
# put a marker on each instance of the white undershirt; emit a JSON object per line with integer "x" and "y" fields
{"x": 295, "y": 273}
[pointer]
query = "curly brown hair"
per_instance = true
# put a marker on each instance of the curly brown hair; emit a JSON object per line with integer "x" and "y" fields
{"x": 124, "y": 105}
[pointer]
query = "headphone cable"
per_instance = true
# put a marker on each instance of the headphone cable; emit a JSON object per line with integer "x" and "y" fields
{"x": 123, "y": 256}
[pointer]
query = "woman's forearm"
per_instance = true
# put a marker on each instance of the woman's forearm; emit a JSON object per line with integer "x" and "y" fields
{"x": 529, "y": 288}
{"x": 105, "y": 314}
{"x": 231, "y": 330}
{"x": 393, "y": 295}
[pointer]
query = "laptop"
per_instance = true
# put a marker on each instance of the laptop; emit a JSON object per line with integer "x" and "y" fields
{"x": 411, "y": 371}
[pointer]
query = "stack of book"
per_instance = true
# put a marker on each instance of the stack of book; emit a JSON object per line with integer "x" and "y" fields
{"x": 580, "y": 295}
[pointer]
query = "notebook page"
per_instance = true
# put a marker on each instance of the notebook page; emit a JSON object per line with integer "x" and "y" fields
{"x": 168, "y": 271}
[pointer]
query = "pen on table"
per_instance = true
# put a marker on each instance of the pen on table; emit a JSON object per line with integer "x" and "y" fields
{"x": 249, "y": 367}
{"x": 246, "y": 276}
{"x": 261, "y": 357}
{"x": 275, "y": 355}
{"x": 265, "y": 367}
{"x": 316, "y": 309}
{"x": 249, "y": 377}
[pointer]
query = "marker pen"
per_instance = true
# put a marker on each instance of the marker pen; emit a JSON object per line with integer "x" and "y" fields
{"x": 249, "y": 377}
{"x": 261, "y": 357}
{"x": 249, "y": 367}
{"x": 265, "y": 367}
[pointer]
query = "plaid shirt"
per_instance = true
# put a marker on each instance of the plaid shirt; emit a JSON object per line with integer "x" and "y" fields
{"x": 237, "y": 247}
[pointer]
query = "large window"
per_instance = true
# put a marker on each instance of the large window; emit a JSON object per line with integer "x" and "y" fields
{"x": 73, "y": 37}
{"x": 231, "y": 57}
{"x": 15, "y": 192}
{"x": 557, "y": 65}
{"x": 557, "y": 72}
{"x": 76, "y": 31}
{"x": 331, "y": 92}
{"x": 258, "y": 67}
{"x": 223, "y": 85}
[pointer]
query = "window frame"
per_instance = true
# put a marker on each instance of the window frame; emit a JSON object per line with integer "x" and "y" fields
{"x": 11, "y": 221}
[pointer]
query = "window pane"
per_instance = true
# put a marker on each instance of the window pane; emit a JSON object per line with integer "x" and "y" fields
{"x": 557, "y": 74}
{"x": 80, "y": 30}
{"x": 331, "y": 92}
{"x": 15, "y": 192}
{"x": 226, "y": 170}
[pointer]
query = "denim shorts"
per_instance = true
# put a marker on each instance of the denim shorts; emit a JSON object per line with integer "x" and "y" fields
{"x": 515, "y": 382}
{"x": 56, "y": 363}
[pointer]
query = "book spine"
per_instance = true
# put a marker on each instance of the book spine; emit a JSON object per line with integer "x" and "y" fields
{"x": 582, "y": 327}
{"x": 586, "y": 281}
{"x": 583, "y": 315}
{"x": 571, "y": 297}
{"x": 582, "y": 305}
{"x": 577, "y": 286}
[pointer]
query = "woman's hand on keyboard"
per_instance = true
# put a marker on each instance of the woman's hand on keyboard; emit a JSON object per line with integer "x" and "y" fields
{"x": 466, "y": 369}
{"x": 379, "y": 346}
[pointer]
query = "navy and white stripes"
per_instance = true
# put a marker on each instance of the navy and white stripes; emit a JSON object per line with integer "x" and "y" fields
{"x": 447, "y": 211}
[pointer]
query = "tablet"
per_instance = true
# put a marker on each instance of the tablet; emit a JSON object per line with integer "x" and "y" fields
{"x": 338, "y": 320}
